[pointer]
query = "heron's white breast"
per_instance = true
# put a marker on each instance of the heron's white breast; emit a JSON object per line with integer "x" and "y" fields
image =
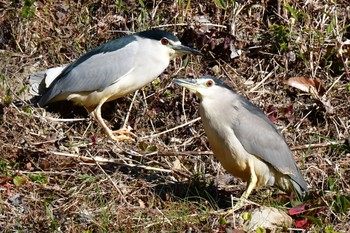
{"x": 227, "y": 147}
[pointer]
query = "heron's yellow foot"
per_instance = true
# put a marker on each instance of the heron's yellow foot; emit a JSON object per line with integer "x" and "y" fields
{"x": 124, "y": 131}
{"x": 121, "y": 136}
{"x": 237, "y": 206}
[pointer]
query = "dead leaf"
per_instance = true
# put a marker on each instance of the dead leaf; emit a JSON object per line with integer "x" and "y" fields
{"x": 313, "y": 86}
{"x": 44, "y": 164}
{"x": 142, "y": 204}
{"x": 177, "y": 164}
{"x": 327, "y": 105}
{"x": 19, "y": 180}
{"x": 5, "y": 179}
{"x": 305, "y": 84}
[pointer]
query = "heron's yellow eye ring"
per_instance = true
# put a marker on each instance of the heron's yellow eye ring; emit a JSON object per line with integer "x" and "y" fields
{"x": 164, "y": 41}
{"x": 210, "y": 83}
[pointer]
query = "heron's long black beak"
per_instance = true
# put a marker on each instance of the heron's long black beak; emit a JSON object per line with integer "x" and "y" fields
{"x": 182, "y": 49}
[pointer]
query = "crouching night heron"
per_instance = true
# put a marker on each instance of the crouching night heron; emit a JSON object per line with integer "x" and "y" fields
{"x": 109, "y": 72}
{"x": 243, "y": 139}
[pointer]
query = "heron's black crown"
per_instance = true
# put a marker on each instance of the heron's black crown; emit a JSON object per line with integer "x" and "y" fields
{"x": 157, "y": 35}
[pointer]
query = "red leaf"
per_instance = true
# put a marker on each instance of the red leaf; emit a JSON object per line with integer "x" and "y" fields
{"x": 302, "y": 223}
{"x": 297, "y": 209}
{"x": 272, "y": 118}
{"x": 93, "y": 140}
{"x": 8, "y": 188}
{"x": 271, "y": 113}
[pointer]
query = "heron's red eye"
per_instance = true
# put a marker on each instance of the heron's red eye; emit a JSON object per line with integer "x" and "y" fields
{"x": 210, "y": 83}
{"x": 164, "y": 41}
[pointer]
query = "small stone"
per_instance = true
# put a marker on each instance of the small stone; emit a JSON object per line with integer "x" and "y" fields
{"x": 268, "y": 218}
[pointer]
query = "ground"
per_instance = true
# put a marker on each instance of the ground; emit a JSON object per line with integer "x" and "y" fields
{"x": 60, "y": 173}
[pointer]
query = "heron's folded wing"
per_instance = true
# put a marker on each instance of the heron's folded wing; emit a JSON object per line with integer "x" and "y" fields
{"x": 260, "y": 137}
{"x": 95, "y": 70}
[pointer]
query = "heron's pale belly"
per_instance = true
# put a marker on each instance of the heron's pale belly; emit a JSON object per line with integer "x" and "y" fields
{"x": 95, "y": 97}
{"x": 237, "y": 161}
{"x": 119, "y": 89}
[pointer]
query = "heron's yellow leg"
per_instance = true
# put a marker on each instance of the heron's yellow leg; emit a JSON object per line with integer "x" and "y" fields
{"x": 96, "y": 113}
{"x": 250, "y": 186}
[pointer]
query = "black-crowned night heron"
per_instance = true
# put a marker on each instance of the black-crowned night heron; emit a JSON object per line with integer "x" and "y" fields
{"x": 109, "y": 72}
{"x": 243, "y": 139}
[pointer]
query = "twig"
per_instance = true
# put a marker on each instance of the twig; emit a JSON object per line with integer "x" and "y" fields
{"x": 49, "y": 118}
{"x": 186, "y": 24}
{"x": 302, "y": 120}
{"x": 333, "y": 84}
{"x": 315, "y": 145}
{"x": 261, "y": 82}
{"x": 110, "y": 179}
{"x": 179, "y": 153}
{"x": 104, "y": 160}
{"x": 121, "y": 31}
{"x": 129, "y": 110}
{"x": 64, "y": 120}
{"x": 48, "y": 172}
{"x": 296, "y": 229}
{"x": 44, "y": 142}
{"x": 172, "y": 129}
{"x": 183, "y": 103}
{"x": 233, "y": 212}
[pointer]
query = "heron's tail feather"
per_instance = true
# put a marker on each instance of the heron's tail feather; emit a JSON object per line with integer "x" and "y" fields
{"x": 35, "y": 80}
{"x": 41, "y": 80}
{"x": 296, "y": 188}
{"x": 292, "y": 184}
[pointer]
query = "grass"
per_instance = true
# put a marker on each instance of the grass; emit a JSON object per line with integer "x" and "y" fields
{"x": 148, "y": 186}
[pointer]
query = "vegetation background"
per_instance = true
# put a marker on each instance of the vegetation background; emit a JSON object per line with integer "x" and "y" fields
{"x": 67, "y": 176}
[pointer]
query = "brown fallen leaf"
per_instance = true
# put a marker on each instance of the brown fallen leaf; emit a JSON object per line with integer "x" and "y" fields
{"x": 307, "y": 84}
{"x": 313, "y": 86}
{"x": 4, "y": 179}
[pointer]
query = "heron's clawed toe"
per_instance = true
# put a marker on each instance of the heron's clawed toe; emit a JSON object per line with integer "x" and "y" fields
{"x": 240, "y": 204}
{"x": 121, "y": 135}
{"x": 124, "y": 131}
{"x": 122, "y": 138}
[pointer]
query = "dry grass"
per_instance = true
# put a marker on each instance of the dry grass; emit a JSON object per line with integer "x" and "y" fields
{"x": 67, "y": 176}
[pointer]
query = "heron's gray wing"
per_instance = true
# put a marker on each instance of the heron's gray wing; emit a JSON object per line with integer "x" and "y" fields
{"x": 260, "y": 137}
{"x": 96, "y": 70}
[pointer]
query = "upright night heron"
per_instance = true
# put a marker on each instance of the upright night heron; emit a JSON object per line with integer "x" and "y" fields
{"x": 109, "y": 72}
{"x": 243, "y": 138}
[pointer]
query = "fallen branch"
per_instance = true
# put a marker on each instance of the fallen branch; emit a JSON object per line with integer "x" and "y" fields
{"x": 172, "y": 129}
{"x": 47, "y": 117}
{"x": 110, "y": 179}
{"x": 293, "y": 148}
{"x": 181, "y": 153}
{"x": 114, "y": 161}
{"x": 315, "y": 145}
{"x": 186, "y": 24}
